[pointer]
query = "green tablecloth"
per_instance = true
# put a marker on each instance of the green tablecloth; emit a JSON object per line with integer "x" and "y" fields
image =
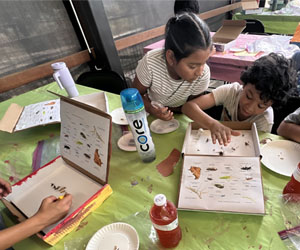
{"x": 135, "y": 184}
{"x": 274, "y": 23}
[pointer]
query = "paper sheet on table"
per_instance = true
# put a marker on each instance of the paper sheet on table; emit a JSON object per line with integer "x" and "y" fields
{"x": 246, "y": 53}
{"x": 41, "y": 113}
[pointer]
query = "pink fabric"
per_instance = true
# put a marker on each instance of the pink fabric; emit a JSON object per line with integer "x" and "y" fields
{"x": 225, "y": 65}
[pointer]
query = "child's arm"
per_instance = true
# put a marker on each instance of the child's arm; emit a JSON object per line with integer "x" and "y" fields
{"x": 50, "y": 211}
{"x": 194, "y": 110}
{"x": 289, "y": 130}
{"x": 161, "y": 113}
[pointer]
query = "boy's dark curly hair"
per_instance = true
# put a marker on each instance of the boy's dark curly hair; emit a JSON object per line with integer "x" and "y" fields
{"x": 274, "y": 76}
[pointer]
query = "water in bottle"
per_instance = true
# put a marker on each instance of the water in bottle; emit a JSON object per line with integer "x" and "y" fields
{"x": 134, "y": 109}
{"x": 64, "y": 78}
{"x": 163, "y": 215}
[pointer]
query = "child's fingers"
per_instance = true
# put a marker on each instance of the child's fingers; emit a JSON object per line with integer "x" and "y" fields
{"x": 213, "y": 138}
{"x": 227, "y": 137}
{"x": 168, "y": 115}
{"x": 219, "y": 138}
{"x": 164, "y": 110}
{"x": 5, "y": 185}
{"x": 50, "y": 199}
{"x": 235, "y": 133}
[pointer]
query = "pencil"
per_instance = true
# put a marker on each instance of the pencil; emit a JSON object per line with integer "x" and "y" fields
{"x": 61, "y": 197}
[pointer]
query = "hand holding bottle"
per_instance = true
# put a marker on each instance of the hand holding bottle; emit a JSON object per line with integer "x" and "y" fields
{"x": 161, "y": 112}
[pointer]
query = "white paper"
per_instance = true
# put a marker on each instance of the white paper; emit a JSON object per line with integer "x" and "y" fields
{"x": 223, "y": 184}
{"x": 84, "y": 139}
{"x": 201, "y": 143}
{"x": 38, "y": 114}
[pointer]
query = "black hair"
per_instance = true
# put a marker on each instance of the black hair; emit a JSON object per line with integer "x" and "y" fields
{"x": 274, "y": 76}
{"x": 186, "y": 33}
{"x": 186, "y": 6}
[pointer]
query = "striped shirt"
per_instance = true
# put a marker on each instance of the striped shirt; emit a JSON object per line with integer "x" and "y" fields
{"x": 294, "y": 117}
{"x": 229, "y": 96}
{"x": 152, "y": 73}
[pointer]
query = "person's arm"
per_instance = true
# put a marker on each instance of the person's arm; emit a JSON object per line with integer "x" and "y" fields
{"x": 194, "y": 110}
{"x": 161, "y": 113}
{"x": 5, "y": 188}
{"x": 289, "y": 130}
{"x": 50, "y": 211}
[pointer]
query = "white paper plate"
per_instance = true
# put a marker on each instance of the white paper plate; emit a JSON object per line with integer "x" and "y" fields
{"x": 163, "y": 127}
{"x": 118, "y": 116}
{"x": 281, "y": 156}
{"x": 121, "y": 236}
{"x": 126, "y": 142}
{"x": 236, "y": 49}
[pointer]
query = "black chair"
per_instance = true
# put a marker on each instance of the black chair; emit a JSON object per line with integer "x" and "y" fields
{"x": 254, "y": 26}
{"x": 262, "y": 3}
{"x": 105, "y": 80}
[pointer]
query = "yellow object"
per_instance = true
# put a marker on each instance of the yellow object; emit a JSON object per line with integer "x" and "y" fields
{"x": 245, "y": 53}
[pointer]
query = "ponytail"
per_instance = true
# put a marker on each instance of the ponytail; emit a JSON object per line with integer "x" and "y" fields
{"x": 185, "y": 33}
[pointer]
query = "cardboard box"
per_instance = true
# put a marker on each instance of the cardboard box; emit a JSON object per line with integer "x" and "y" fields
{"x": 253, "y": 11}
{"x": 225, "y": 37}
{"x": 249, "y": 4}
{"x": 251, "y": 7}
{"x": 85, "y": 153}
{"x": 216, "y": 178}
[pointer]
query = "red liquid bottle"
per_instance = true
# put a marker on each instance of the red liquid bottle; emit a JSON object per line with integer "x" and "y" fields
{"x": 292, "y": 188}
{"x": 163, "y": 215}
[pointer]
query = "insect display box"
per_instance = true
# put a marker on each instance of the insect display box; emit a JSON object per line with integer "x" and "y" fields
{"x": 81, "y": 170}
{"x": 221, "y": 178}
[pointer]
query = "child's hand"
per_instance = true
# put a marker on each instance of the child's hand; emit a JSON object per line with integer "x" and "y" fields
{"x": 163, "y": 113}
{"x": 5, "y": 188}
{"x": 222, "y": 133}
{"x": 53, "y": 209}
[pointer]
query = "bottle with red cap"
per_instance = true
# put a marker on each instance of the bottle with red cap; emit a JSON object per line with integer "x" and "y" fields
{"x": 292, "y": 188}
{"x": 163, "y": 215}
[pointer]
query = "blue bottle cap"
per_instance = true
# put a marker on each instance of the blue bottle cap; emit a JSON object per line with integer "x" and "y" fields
{"x": 131, "y": 100}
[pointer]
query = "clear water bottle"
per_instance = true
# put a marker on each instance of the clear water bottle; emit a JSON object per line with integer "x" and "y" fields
{"x": 64, "y": 78}
{"x": 134, "y": 109}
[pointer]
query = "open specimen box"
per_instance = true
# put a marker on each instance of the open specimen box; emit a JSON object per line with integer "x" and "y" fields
{"x": 221, "y": 178}
{"x": 81, "y": 170}
{"x": 17, "y": 118}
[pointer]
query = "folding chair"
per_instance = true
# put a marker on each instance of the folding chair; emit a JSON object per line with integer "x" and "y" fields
{"x": 105, "y": 80}
{"x": 254, "y": 26}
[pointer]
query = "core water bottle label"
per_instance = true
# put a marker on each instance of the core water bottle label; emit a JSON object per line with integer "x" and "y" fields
{"x": 141, "y": 134}
{"x": 134, "y": 111}
{"x": 296, "y": 174}
{"x": 173, "y": 225}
